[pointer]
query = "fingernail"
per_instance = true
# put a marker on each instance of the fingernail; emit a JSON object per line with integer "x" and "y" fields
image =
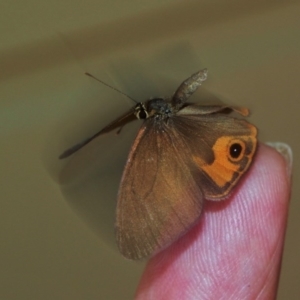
{"x": 286, "y": 151}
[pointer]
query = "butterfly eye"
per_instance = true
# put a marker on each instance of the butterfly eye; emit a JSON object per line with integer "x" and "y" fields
{"x": 140, "y": 111}
{"x": 236, "y": 150}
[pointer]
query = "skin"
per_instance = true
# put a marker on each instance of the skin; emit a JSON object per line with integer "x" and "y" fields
{"x": 235, "y": 250}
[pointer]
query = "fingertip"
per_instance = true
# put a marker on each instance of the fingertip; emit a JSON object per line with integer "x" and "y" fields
{"x": 286, "y": 152}
{"x": 271, "y": 173}
{"x": 234, "y": 247}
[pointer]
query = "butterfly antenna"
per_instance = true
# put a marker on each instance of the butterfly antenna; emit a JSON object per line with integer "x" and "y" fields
{"x": 113, "y": 88}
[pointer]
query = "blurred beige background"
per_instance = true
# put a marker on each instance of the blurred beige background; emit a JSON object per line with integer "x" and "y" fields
{"x": 57, "y": 216}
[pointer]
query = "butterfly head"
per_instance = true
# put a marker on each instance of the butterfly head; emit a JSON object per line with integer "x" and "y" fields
{"x": 157, "y": 107}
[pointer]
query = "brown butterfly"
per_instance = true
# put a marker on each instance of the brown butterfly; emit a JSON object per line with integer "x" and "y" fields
{"x": 183, "y": 153}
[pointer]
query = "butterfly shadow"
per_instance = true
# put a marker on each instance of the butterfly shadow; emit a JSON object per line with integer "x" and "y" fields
{"x": 90, "y": 179}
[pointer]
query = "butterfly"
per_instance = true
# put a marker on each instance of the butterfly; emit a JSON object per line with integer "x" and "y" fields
{"x": 183, "y": 154}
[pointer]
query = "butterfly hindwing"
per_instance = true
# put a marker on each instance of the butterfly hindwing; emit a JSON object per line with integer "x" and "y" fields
{"x": 159, "y": 199}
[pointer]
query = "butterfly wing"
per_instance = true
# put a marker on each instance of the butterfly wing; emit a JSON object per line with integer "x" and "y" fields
{"x": 222, "y": 147}
{"x": 159, "y": 199}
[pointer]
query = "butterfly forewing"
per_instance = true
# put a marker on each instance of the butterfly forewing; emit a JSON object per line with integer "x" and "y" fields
{"x": 210, "y": 138}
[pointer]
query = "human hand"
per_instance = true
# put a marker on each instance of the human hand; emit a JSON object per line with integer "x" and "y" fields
{"x": 235, "y": 250}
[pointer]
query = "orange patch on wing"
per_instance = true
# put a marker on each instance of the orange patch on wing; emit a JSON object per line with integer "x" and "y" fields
{"x": 222, "y": 170}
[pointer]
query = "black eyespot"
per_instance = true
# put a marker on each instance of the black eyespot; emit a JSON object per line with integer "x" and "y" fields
{"x": 235, "y": 150}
